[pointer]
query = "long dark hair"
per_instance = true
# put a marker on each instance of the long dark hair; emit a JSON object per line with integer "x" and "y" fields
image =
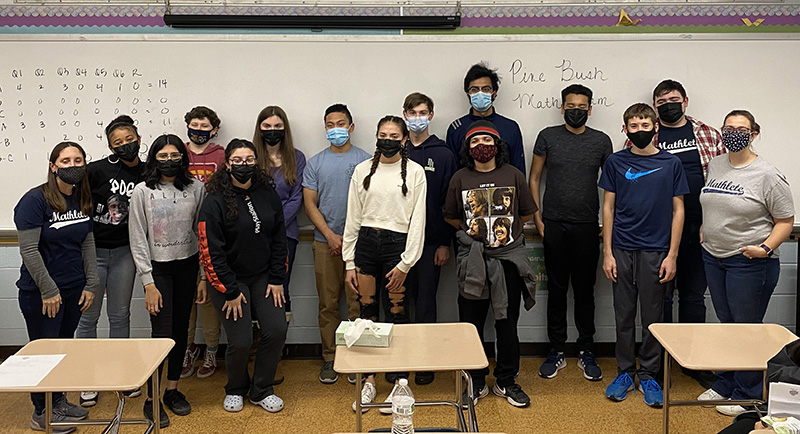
{"x": 403, "y": 152}
{"x": 53, "y": 196}
{"x": 220, "y": 182}
{"x": 288, "y": 156}
{"x": 500, "y": 159}
{"x": 152, "y": 177}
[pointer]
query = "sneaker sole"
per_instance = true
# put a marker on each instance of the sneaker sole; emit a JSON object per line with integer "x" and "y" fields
{"x": 187, "y": 374}
{"x": 655, "y": 404}
{"x": 483, "y": 393}
{"x": 87, "y": 404}
{"x": 559, "y": 366}
{"x": 729, "y": 413}
{"x": 205, "y": 375}
{"x": 329, "y": 380}
{"x": 617, "y": 399}
{"x": 56, "y": 430}
{"x": 588, "y": 377}
{"x": 134, "y": 393}
{"x": 510, "y": 400}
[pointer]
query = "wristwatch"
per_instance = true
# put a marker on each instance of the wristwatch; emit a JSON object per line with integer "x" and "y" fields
{"x": 767, "y": 249}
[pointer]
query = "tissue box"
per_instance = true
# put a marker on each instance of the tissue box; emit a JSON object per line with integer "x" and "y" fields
{"x": 367, "y": 339}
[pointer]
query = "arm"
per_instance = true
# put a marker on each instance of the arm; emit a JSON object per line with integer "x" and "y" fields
{"x": 517, "y": 150}
{"x": 537, "y": 166}
{"x": 137, "y": 234}
{"x": 212, "y": 238}
{"x": 453, "y": 222}
{"x": 668, "y": 265}
{"x": 352, "y": 225}
{"x": 609, "y": 263}
{"x": 89, "y": 255}
{"x": 780, "y": 233}
{"x": 279, "y": 251}
{"x": 310, "y": 199}
{"x": 416, "y": 233}
{"x": 32, "y": 258}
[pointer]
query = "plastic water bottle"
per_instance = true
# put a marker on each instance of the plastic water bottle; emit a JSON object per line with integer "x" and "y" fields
{"x": 403, "y": 409}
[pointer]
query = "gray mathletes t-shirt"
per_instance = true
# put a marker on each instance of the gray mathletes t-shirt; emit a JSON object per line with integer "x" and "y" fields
{"x": 329, "y": 173}
{"x": 573, "y": 162}
{"x": 739, "y": 204}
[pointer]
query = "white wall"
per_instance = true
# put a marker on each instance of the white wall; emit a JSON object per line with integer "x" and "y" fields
{"x": 304, "y": 329}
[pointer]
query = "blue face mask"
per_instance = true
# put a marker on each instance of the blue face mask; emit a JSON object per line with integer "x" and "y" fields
{"x": 736, "y": 141}
{"x": 418, "y": 124}
{"x": 481, "y": 101}
{"x": 337, "y": 136}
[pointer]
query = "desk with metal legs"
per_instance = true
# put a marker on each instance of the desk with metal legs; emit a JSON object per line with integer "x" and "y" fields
{"x": 420, "y": 347}
{"x": 103, "y": 365}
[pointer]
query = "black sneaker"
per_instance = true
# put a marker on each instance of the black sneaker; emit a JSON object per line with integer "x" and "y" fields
{"x": 37, "y": 422}
{"x": 555, "y": 362}
{"x": 478, "y": 393}
{"x": 514, "y": 394}
{"x": 327, "y": 375}
{"x": 133, "y": 393}
{"x": 176, "y": 401}
{"x": 71, "y": 411}
{"x": 423, "y": 378}
{"x": 163, "y": 417}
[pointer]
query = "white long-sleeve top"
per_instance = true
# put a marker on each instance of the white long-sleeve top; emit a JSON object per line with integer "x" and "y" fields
{"x": 383, "y": 206}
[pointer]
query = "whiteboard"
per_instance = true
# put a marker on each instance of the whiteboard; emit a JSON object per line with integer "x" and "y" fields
{"x": 54, "y": 89}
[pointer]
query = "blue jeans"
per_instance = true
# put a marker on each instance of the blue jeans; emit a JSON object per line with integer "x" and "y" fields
{"x": 40, "y": 326}
{"x": 116, "y": 271}
{"x": 740, "y": 290}
{"x": 690, "y": 280}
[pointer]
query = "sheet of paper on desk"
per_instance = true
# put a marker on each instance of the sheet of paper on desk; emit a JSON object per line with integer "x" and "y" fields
{"x": 784, "y": 400}
{"x": 23, "y": 371}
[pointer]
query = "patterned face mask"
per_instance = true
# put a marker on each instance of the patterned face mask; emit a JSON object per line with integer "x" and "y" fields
{"x": 736, "y": 141}
{"x": 483, "y": 153}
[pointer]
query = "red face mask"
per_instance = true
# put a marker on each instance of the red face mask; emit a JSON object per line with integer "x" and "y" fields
{"x": 483, "y": 153}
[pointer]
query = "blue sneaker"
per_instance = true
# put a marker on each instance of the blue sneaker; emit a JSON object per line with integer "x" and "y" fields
{"x": 618, "y": 389}
{"x": 555, "y": 362}
{"x": 653, "y": 396}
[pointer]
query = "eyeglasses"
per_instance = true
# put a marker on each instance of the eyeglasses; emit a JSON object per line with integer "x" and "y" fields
{"x": 743, "y": 130}
{"x": 175, "y": 156}
{"x": 475, "y": 89}
{"x": 238, "y": 161}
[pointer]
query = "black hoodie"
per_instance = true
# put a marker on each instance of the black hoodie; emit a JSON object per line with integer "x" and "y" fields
{"x": 251, "y": 245}
{"x": 440, "y": 164}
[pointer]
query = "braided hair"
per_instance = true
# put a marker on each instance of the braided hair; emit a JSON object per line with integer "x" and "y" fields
{"x": 376, "y": 158}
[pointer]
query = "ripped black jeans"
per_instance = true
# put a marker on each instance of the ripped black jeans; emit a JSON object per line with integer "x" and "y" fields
{"x": 377, "y": 252}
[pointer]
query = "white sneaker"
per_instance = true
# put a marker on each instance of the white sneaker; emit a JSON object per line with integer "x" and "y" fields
{"x": 710, "y": 395}
{"x": 388, "y": 410}
{"x": 89, "y": 399}
{"x": 731, "y": 410}
{"x": 368, "y": 393}
{"x": 233, "y": 403}
{"x": 271, "y": 403}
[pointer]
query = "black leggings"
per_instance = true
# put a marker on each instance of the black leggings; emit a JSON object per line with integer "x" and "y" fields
{"x": 176, "y": 280}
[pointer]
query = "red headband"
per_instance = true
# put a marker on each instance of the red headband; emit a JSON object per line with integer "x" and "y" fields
{"x": 485, "y": 130}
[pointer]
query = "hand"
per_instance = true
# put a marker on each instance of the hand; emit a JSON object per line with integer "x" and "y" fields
{"x": 202, "y": 292}
{"x": 441, "y": 256}
{"x": 610, "y": 267}
{"x": 539, "y": 226}
{"x": 152, "y": 299}
{"x": 753, "y": 252}
{"x": 87, "y": 297}
{"x": 396, "y": 279}
{"x": 701, "y": 234}
{"x": 278, "y": 296}
{"x": 667, "y": 271}
{"x": 351, "y": 280}
{"x": 234, "y": 307}
{"x": 334, "y": 244}
{"x": 51, "y": 306}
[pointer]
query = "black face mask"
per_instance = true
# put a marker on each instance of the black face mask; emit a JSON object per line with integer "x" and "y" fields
{"x": 576, "y": 118}
{"x": 388, "y": 148}
{"x": 127, "y": 152}
{"x": 272, "y": 137}
{"x": 169, "y": 168}
{"x": 243, "y": 172}
{"x": 641, "y": 139}
{"x": 71, "y": 175}
{"x": 670, "y": 112}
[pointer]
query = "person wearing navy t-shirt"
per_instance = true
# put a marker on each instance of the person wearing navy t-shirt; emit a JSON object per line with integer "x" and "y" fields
{"x": 642, "y": 224}
{"x": 58, "y": 278}
{"x": 481, "y": 84}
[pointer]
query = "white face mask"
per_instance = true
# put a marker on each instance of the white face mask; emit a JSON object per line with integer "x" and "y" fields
{"x": 418, "y": 124}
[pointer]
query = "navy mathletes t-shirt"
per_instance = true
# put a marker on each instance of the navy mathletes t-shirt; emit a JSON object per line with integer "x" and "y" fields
{"x": 60, "y": 240}
{"x": 682, "y": 143}
{"x": 644, "y": 187}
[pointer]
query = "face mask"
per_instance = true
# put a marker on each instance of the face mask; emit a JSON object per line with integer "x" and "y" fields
{"x": 670, "y": 112}
{"x": 483, "y": 153}
{"x": 736, "y": 141}
{"x": 243, "y": 172}
{"x": 272, "y": 137}
{"x": 71, "y": 175}
{"x": 169, "y": 168}
{"x": 641, "y": 139}
{"x": 337, "y": 136}
{"x": 419, "y": 124}
{"x": 127, "y": 152}
{"x": 576, "y": 118}
{"x": 199, "y": 136}
{"x": 388, "y": 148}
{"x": 481, "y": 101}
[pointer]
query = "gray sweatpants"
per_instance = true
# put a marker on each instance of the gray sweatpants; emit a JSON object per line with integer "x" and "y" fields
{"x": 637, "y": 278}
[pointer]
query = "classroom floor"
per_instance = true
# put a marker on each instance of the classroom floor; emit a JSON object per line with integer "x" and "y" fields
{"x": 565, "y": 404}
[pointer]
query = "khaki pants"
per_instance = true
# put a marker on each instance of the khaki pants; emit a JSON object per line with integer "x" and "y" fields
{"x": 329, "y": 271}
{"x": 209, "y": 319}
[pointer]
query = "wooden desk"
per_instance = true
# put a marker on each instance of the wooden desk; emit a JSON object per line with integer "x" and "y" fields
{"x": 103, "y": 365}
{"x": 718, "y": 347}
{"x": 420, "y": 347}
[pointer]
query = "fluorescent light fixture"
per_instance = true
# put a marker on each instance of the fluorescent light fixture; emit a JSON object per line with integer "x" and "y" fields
{"x": 310, "y": 22}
